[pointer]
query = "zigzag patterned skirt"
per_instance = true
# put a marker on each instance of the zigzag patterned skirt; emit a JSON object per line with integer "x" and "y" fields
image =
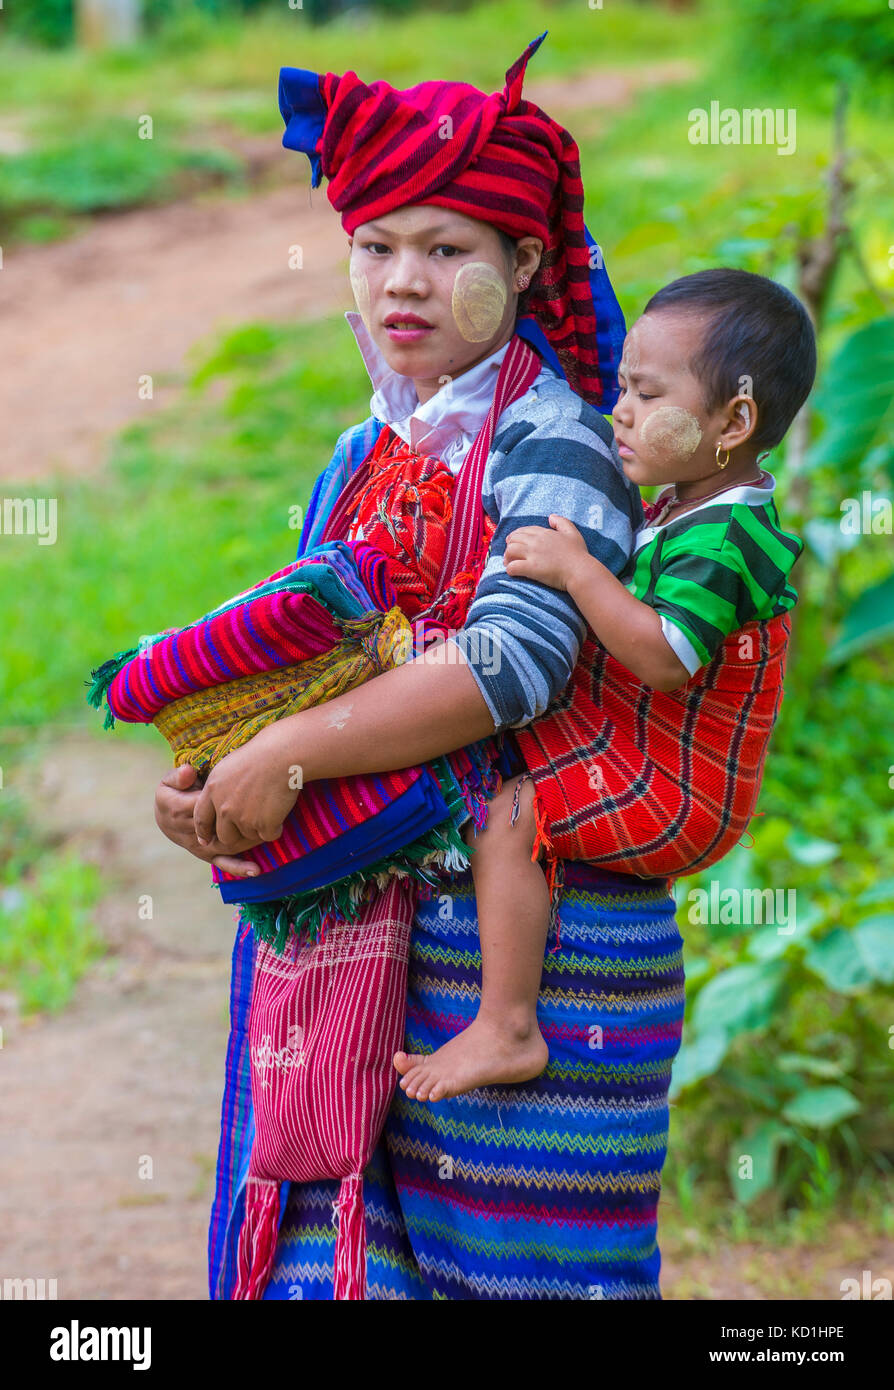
{"x": 547, "y": 1190}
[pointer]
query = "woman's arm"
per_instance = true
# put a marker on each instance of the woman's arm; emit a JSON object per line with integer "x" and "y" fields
{"x": 513, "y": 657}
{"x": 411, "y": 714}
{"x": 522, "y": 638}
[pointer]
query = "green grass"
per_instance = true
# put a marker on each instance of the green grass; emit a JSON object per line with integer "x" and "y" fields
{"x": 47, "y": 935}
{"x": 198, "y": 64}
{"x": 100, "y": 170}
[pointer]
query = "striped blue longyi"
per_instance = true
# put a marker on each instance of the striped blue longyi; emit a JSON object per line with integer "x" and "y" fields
{"x": 547, "y": 1190}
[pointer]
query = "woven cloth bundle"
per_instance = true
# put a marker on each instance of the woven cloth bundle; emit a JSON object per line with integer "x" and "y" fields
{"x": 310, "y": 632}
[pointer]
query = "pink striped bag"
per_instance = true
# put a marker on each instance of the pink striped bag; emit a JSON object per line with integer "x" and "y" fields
{"x": 326, "y": 1021}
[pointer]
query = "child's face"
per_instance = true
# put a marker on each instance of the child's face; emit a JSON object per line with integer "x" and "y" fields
{"x": 445, "y": 268}
{"x": 663, "y": 432}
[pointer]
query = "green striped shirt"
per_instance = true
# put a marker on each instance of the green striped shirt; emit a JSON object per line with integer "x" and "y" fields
{"x": 714, "y": 569}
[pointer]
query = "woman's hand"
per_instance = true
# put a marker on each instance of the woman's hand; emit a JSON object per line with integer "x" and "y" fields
{"x": 554, "y": 557}
{"x": 248, "y": 795}
{"x": 175, "y": 801}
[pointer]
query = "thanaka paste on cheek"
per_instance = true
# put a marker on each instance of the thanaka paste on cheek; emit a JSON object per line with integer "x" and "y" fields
{"x": 673, "y": 432}
{"x": 478, "y": 301}
{"x": 360, "y": 286}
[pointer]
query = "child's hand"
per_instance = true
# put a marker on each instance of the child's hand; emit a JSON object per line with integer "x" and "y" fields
{"x": 549, "y": 556}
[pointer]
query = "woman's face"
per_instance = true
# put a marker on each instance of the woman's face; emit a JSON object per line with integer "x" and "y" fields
{"x": 449, "y": 270}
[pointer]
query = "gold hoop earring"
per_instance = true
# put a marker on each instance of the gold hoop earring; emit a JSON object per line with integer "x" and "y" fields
{"x": 717, "y": 457}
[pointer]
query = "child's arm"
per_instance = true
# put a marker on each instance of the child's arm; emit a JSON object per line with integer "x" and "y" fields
{"x": 628, "y": 629}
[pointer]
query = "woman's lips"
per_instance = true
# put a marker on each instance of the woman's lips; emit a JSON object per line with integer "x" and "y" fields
{"x": 407, "y": 335}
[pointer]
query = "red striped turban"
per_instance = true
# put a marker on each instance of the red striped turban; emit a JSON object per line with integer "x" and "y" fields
{"x": 498, "y": 158}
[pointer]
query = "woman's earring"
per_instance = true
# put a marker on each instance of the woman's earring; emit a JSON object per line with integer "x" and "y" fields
{"x": 524, "y": 281}
{"x": 717, "y": 457}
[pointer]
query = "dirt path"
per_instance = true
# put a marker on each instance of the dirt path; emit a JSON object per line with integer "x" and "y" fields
{"x": 132, "y": 1070}
{"x": 82, "y": 321}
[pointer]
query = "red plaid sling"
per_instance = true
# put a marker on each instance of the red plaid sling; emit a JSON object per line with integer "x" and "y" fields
{"x": 649, "y": 782}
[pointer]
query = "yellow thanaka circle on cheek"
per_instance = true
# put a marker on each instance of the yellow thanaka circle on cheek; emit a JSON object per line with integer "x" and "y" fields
{"x": 672, "y": 431}
{"x": 479, "y": 301}
{"x": 360, "y": 287}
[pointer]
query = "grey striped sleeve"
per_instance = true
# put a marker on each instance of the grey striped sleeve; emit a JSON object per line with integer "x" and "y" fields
{"x": 551, "y": 454}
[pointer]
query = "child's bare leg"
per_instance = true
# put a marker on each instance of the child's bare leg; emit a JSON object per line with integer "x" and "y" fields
{"x": 504, "y": 1043}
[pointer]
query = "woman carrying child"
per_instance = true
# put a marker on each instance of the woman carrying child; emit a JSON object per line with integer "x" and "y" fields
{"x": 546, "y": 1189}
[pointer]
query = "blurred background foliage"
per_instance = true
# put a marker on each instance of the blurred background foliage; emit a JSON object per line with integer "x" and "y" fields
{"x": 788, "y": 1044}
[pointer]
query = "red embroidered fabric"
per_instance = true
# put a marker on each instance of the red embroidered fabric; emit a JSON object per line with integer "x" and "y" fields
{"x": 404, "y": 511}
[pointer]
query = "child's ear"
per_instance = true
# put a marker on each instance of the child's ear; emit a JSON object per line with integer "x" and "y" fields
{"x": 741, "y": 414}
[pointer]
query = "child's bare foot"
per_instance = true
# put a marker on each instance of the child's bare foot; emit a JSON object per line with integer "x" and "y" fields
{"x": 482, "y": 1055}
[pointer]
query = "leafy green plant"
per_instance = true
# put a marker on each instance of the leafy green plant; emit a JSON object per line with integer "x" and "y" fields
{"x": 853, "y": 461}
{"x": 818, "y": 40}
{"x": 795, "y": 1080}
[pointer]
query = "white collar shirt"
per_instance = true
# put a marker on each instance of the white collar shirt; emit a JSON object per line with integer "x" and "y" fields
{"x": 444, "y": 426}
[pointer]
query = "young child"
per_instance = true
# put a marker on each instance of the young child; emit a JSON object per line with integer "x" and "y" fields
{"x": 711, "y": 377}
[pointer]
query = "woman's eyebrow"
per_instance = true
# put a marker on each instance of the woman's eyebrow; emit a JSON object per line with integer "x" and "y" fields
{"x": 417, "y": 236}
